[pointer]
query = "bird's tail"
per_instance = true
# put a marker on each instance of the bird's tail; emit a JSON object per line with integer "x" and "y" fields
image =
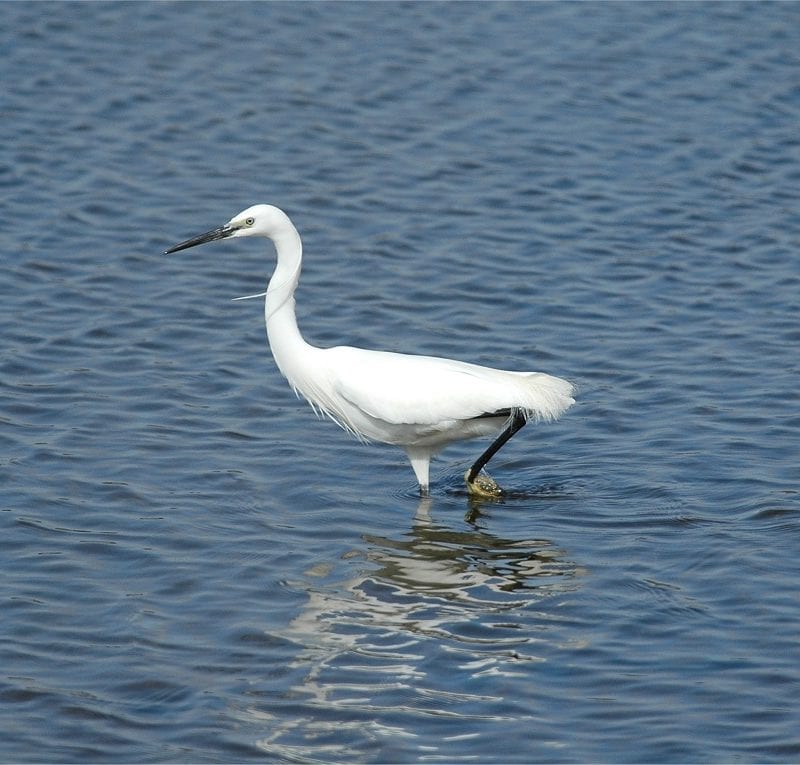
{"x": 544, "y": 397}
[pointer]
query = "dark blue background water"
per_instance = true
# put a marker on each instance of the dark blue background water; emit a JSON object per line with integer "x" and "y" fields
{"x": 194, "y": 568}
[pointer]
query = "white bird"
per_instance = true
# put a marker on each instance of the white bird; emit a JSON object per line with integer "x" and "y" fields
{"x": 419, "y": 403}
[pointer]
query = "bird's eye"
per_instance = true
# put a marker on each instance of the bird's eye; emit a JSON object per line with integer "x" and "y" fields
{"x": 249, "y": 221}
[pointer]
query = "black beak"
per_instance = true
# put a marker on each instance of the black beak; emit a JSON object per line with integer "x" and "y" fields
{"x": 223, "y": 232}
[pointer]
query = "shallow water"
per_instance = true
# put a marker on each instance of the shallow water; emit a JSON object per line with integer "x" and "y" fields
{"x": 196, "y": 569}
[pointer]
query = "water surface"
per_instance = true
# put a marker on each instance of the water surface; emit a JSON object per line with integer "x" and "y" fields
{"x": 196, "y": 569}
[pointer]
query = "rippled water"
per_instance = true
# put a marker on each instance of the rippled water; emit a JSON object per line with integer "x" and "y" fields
{"x": 196, "y": 569}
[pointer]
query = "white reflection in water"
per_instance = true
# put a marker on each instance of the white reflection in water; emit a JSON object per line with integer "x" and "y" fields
{"x": 409, "y": 633}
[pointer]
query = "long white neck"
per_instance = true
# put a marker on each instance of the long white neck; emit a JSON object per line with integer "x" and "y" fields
{"x": 289, "y": 348}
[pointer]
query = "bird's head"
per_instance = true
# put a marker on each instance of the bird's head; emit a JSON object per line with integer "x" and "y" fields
{"x": 258, "y": 220}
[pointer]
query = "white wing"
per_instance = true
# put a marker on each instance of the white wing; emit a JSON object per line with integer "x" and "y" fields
{"x": 425, "y": 390}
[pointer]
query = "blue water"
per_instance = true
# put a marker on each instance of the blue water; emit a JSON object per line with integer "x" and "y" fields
{"x": 195, "y": 569}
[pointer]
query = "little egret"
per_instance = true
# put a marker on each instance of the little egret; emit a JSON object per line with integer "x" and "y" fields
{"x": 419, "y": 403}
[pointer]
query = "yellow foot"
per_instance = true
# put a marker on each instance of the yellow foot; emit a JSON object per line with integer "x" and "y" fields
{"x": 483, "y": 485}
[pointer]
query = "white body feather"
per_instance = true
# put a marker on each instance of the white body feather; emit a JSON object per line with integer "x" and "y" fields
{"x": 423, "y": 400}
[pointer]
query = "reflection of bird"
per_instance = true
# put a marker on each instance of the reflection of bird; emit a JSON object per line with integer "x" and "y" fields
{"x": 419, "y": 403}
{"x": 374, "y": 618}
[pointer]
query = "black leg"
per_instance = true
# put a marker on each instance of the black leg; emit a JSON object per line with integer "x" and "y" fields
{"x": 518, "y": 419}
